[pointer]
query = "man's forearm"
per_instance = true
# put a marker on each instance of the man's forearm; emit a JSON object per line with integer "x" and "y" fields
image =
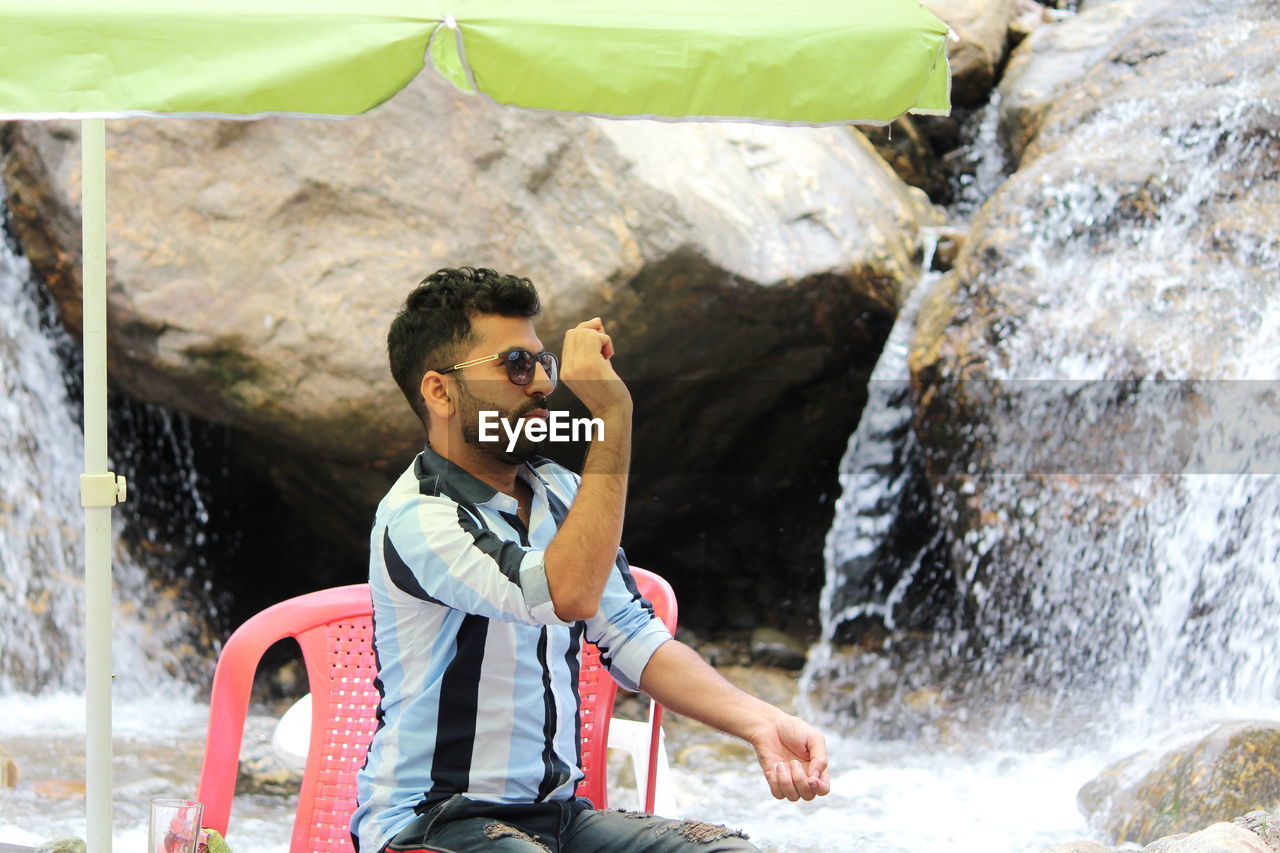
{"x": 581, "y": 556}
{"x": 792, "y": 754}
{"x": 678, "y": 677}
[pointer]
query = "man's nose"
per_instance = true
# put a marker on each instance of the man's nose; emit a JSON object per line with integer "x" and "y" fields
{"x": 541, "y": 383}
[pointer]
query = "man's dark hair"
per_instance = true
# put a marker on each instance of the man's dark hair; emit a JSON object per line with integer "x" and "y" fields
{"x": 434, "y": 326}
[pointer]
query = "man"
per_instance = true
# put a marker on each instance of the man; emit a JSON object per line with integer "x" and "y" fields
{"x": 489, "y": 566}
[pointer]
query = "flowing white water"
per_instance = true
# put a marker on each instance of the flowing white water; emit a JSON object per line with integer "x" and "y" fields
{"x": 1163, "y": 327}
{"x": 40, "y": 608}
{"x": 41, "y": 526}
{"x": 1122, "y": 587}
{"x": 42, "y": 717}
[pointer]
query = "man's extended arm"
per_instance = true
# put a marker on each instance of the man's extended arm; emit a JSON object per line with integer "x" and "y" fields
{"x": 581, "y": 556}
{"x": 792, "y": 754}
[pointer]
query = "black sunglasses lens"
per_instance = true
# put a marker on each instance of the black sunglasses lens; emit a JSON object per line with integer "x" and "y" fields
{"x": 520, "y": 366}
{"x": 552, "y": 367}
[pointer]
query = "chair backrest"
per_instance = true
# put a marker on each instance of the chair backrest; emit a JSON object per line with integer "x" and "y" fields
{"x": 597, "y": 691}
{"x": 334, "y": 628}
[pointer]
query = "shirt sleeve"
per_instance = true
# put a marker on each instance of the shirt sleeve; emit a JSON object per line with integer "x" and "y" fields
{"x": 435, "y": 550}
{"x": 625, "y": 628}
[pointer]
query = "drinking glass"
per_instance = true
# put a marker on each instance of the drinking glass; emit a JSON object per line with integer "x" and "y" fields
{"x": 175, "y": 826}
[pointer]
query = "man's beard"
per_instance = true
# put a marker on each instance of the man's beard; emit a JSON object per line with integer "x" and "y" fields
{"x": 469, "y": 408}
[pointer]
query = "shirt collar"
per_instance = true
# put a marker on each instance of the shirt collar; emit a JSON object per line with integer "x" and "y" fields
{"x": 470, "y": 488}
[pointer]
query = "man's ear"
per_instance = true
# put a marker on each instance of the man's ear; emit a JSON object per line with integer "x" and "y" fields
{"x": 435, "y": 393}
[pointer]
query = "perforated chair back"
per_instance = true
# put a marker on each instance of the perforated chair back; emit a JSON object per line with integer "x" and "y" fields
{"x": 334, "y": 628}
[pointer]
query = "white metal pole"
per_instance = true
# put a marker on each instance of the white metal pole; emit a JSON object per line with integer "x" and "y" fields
{"x": 98, "y": 491}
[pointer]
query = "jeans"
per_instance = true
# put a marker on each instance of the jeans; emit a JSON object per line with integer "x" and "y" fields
{"x": 459, "y": 825}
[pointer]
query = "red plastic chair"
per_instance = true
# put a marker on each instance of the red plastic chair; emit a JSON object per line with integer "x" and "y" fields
{"x": 335, "y": 630}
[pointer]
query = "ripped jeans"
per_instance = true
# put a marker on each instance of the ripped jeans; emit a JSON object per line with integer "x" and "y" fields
{"x": 459, "y": 825}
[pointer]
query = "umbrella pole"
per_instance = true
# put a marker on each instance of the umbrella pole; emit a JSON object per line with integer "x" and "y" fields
{"x": 98, "y": 491}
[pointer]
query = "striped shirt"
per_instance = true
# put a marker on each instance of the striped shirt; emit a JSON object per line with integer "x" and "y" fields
{"x": 478, "y": 675}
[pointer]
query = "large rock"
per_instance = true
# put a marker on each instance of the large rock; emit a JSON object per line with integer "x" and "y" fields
{"x": 1264, "y": 824}
{"x": 1125, "y": 267}
{"x": 977, "y": 52}
{"x": 261, "y": 769}
{"x": 749, "y": 275}
{"x": 1217, "y": 838}
{"x": 1231, "y": 771}
{"x": 1050, "y": 63}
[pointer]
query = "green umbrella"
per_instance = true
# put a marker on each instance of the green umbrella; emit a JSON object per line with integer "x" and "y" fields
{"x": 806, "y": 61}
{"x": 803, "y": 62}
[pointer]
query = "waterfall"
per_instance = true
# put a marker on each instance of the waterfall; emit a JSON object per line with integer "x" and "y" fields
{"x": 41, "y": 527}
{"x": 1114, "y": 574}
{"x": 40, "y": 455}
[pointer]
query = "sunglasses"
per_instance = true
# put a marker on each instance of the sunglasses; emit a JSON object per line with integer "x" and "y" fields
{"x": 520, "y": 363}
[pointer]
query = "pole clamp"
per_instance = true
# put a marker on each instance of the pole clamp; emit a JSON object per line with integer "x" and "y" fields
{"x": 102, "y": 490}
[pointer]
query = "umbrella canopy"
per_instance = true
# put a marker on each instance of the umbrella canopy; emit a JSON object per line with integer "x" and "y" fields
{"x": 805, "y": 62}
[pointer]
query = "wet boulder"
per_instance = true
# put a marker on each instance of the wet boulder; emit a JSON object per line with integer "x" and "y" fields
{"x": 1071, "y": 365}
{"x": 261, "y": 769}
{"x": 1029, "y": 17}
{"x": 1049, "y": 64}
{"x": 1232, "y": 771}
{"x": 1255, "y": 832}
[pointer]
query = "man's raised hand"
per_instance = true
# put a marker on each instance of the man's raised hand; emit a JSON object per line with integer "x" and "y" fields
{"x": 586, "y": 370}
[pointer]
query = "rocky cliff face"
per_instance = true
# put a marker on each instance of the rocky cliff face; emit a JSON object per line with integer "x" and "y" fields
{"x": 1113, "y": 293}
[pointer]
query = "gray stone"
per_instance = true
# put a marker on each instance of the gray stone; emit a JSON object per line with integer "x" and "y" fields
{"x": 1028, "y": 17}
{"x": 261, "y": 769}
{"x": 1078, "y": 847}
{"x": 1166, "y": 844}
{"x": 771, "y": 647}
{"x": 1264, "y": 824}
{"x": 1218, "y": 838}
